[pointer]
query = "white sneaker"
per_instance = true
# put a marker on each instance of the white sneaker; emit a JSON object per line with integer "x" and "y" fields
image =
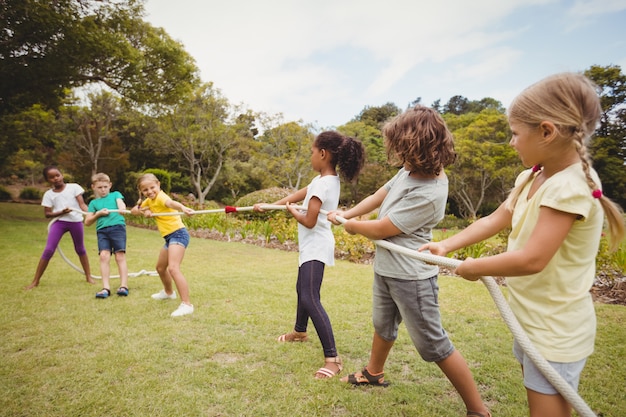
{"x": 183, "y": 309}
{"x": 162, "y": 295}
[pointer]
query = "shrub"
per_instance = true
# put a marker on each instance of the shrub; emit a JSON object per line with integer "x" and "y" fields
{"x": 5, "y": 195}
{"x": 30, "y": 193}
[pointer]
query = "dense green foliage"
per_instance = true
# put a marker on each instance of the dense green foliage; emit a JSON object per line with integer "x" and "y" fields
{"x": 49, "y": 47}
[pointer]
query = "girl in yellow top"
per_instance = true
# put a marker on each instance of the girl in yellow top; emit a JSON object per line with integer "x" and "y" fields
{"x": 176, "y": 240}
{"x": 556, "y": 213}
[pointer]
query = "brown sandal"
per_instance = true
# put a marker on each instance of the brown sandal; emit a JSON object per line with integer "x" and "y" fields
{"x": 293, "y": 337}
{"x": 366, "y": 378}
{"x": 325, "y": 373}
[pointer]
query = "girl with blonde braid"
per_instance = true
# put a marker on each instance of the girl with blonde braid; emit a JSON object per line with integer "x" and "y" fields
{"x": 556, "y": 213}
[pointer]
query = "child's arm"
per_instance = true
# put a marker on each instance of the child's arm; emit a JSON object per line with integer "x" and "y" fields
{"x": 81, "y": 203}
{"x": 367, "y": 205}
{"x": 121, "y": 205}
{"x": 49, "y": 214}
{"x": 548, "y": 235}
{"x": 91, "y": 218}
{"x": 480, "y": 230}
{"x": 372, "y": 229}
{"x": 291, "y": 198}
{"x": 136, "y": 209}
{"x": 178, "y": 206}
{"x": 307, "y": 218}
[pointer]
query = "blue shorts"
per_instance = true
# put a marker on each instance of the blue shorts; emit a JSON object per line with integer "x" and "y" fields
{"x": 534, "y": 379}
{"x": 417, "y": 303}
{"x": 112, "y": 238}
{"x": 179, "y": 237}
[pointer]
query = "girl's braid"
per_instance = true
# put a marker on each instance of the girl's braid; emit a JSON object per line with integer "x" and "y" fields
{"x": 578, "y": 140}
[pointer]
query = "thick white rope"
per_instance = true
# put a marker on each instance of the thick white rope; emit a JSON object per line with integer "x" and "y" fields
{"x": 509, "y": 318}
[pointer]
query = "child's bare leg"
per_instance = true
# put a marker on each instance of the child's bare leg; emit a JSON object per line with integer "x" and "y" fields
{"x": 105, "y": 268}
{"x": 378, "y": 357}
{"x": 84, "y": 261}
{"x": 175, "y": 258}
{"x": 459, "y": 374}
{"x": 162, "y": 270}
{"x": 120, "y": 259}
{"x": 379, "y": 354}
{"x": 543, "y": 405}
{"x": 41, "y": 268}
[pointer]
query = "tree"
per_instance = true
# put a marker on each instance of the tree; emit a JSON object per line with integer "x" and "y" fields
{"x": 456, "y": 105}
{"x": 376, "y": 116}
{"x": 460, "y": 105}
{"x": 91, "y": 142}
{"x": 241, "y": 174}
{"x": 197, "y": 134}
{"x": 486, "y": 164}
{"x": 34, "y": 140}
{"x": 285, "y": 153}
{"x": 47, "y": 48}
{"x": 608, "y": 147}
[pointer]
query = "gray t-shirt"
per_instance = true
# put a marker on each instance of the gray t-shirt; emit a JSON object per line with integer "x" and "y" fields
{"x": 414, "y": 206}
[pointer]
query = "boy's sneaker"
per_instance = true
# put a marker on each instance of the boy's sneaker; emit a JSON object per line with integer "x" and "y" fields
{"x": 182, "y": 310}
{"x": 162, "y": 295}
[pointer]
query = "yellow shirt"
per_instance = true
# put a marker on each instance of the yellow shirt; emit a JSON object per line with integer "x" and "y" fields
{"x": 554, "y": 306}
{"x": 165, "y": 224}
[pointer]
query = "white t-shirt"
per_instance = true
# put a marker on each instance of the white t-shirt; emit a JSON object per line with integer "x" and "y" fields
{"x": 318, "y": 243}
{"x": 65, "y": 199}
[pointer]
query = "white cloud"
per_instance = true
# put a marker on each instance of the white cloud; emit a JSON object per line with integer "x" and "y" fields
{"x": 325, "y": 60}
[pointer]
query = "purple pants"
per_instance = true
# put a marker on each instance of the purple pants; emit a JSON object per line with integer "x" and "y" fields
{"x": 56, "y": 232}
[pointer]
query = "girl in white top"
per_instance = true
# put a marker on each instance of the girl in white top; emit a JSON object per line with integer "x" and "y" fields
{"x": 63, "y": 202}
{"x": 555, "y": 213}
{"x": 316, "y": 240}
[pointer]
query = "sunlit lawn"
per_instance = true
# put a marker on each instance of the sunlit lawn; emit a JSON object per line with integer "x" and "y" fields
{"x": 65, "y": 353}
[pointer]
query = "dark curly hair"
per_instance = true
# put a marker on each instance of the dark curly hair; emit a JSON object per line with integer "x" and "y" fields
{"x": 347, "y": 153}
{"x": 419, "y": 139}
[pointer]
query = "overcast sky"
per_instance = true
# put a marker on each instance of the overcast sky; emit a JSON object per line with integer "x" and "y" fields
{"x": 323, "y": 61}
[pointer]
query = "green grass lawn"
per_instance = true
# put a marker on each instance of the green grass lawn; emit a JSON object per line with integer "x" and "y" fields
{"x": 65, "y": 353}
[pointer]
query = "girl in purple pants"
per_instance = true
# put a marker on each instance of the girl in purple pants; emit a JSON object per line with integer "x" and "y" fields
{"x": 58, "y": 203}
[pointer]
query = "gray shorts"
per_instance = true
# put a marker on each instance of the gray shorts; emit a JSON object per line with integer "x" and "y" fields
{"x": 534, "y": 379}
{"x": 417, "y": 303}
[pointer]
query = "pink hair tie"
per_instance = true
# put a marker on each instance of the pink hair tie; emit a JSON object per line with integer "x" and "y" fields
{"x": 536, "y": 168}
{"x": 597, "y": 193}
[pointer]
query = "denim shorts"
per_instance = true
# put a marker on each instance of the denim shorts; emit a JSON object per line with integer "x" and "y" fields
{"x": 179, "y": 237}
{"x": 112, "y": 238}
{"x": 416, "y": 303}
{"x": 534, "y": 379}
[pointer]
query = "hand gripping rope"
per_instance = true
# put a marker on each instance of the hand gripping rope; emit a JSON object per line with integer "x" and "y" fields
{"x": 503, "y": 307}
{"x": 505, "y": 311}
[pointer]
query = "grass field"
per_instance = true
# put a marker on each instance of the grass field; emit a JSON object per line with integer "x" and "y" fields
{"x": 65, "y": 353}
